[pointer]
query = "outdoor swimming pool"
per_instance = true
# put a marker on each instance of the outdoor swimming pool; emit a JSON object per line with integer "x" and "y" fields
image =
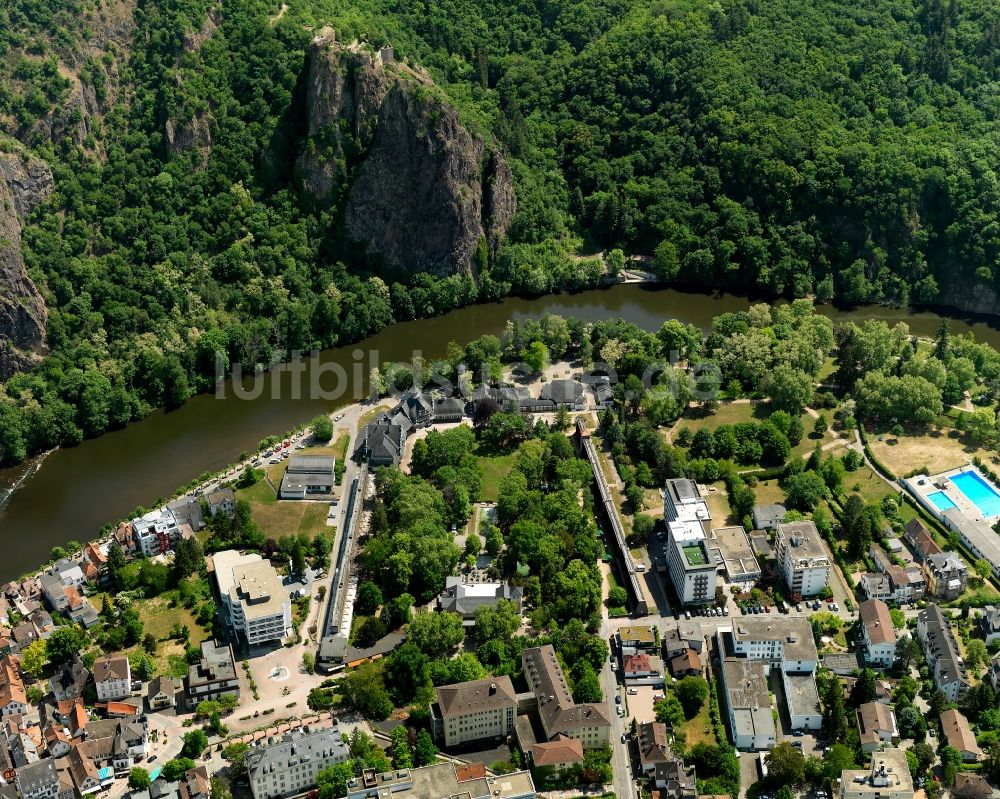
{"x": 941, "y": 501}
{"x": 979, "y": 492}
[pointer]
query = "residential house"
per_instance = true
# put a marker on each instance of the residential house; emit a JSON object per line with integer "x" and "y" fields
{"x": 162, "y": 693}
{"x": 635, "y": 638}
{"x": 878, "y": 637}
{"x": 113, "y": 678}
{"x": 937, "y": 638}
{"x": 38, "y": 780}
{"x": 289, "y": 765}
{"x": 959, "y": 734}
{"x": 306, "y": 475}
{"x": 472, "y": 711}
{"x": 561, "y": 753}
{"x": 13, "y": 700}
{"x": 947, "y": 575}
{"x": 466, "y": 598}
{"x": 604, "y": 394}
{"x": 86, "y": 776}
{"x": 558, "y": 713}
{"x": 642, "y": 669}
{"x": 222, "y": 501}
{"x": 768, "y": 517}
{"x": 876, "y": 725}
{"x": 876, "y": 585}
{"x": 971, "y": 786}
{"x": 155, "y": 533}
{"x": 69, "y": 680}
{"x": 920, "y": 540}
{"x": 214, "y": 675}
{"x": 888, "y": 777}
{"x": 187, "y": 511}
{"x": 988, "y": 623}
{"x": 993, "y": 675}
{"x": 802, "y": 557}
{"x": 448, "y": 410}
{"x": 686, "y": 663}
{"x": 661, "y": 765}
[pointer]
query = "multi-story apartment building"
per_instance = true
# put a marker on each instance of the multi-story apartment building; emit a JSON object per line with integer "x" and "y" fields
{"x": 587, "y": 723}
{"x": 289, "y": 765}
{"x": 937, "y": 638}
{"x": 877, "y": 634}
{"x": 473, "y": 711}
{"x": 802, "y": 557}
{"x": 441, "y": 779}
{"x": 258, "y": 604}
{"x": 787, "y": 642}
{"x": 689, "y": 561}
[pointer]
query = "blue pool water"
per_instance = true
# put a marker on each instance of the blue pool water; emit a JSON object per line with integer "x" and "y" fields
{"x": 979, "y": 492}
{"x": 941, "y": 501}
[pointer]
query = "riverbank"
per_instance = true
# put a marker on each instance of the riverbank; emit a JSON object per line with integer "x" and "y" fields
{"x": 75, "y": 492}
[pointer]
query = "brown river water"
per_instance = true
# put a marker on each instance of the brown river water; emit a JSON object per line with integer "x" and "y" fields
{"x": 72, "y": 493}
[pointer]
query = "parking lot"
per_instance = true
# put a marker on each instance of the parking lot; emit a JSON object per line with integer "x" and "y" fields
{"x": 640, "y": 704}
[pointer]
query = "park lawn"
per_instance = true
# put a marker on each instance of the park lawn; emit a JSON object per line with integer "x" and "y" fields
{"x": 871, "y": 487}
{"x": 718, "y": 503}
{"x": 368, "y": 415}
{"x": 699, "y": 729}
{"x": 827, "y": 369}
{"x": 258, "y": 494}
{"x": 727, "y": 413}
{"x": 336, "y": 449}
{"x": 769, "y": 492}
{"x": 158, "y": 619}
{"x": 936, "y": 451}
{"x": 291, "y": 517}
{"x": 495, "y": 469}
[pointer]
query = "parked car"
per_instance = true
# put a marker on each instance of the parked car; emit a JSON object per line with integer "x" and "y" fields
{"x": 623, "y": 737}
{"x": 725, "y": 610}
{"x": 618, "y": 699}
{"x": 798, "y": 607}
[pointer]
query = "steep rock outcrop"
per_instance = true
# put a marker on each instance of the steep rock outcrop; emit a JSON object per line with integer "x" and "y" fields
{"x": 419, "y": 190}
{"x": 24, "y": 182}
{"x": 970, "y": 294}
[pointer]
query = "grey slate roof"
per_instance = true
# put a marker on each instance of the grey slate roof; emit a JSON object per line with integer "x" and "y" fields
{"x": 278, "y": 754}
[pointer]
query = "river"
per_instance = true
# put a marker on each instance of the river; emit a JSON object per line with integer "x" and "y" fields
{"x": 72, "y": 493}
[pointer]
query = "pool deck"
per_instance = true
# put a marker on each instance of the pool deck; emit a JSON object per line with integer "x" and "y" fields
{"x": 966, "y": 518}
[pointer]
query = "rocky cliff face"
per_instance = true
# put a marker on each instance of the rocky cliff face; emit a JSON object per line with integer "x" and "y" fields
{"x": 24, "y": 182}
{"x": 419, "y": 190}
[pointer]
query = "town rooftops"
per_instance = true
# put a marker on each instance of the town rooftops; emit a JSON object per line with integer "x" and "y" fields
{"x": 636, "y": 634}
{"x": 874, "y": 615}
{"x": 652, "y": 743}
{"x": 794, "y": 634}
{"x": 748, "y": 697}
{"x": 438, "y": 780}
{"x": 735, "y": 551}
{"x": 476, "y": 695}
{"x": 223, "y": 563}
{"x": 465, "y": 598}
{"x": 920, "y": 539}
{"x": 216, "y": 665}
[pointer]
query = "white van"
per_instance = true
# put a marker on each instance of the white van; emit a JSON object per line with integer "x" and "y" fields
{"x": 633, "y": 691}
{"x": 640, "y": 567}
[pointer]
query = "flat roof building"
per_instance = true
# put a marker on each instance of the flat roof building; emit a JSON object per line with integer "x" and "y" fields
{"x": 802, "y": 557}
{"x": 888, "y": 777}
{"x": 731, "y": 547}
{"x": 802, "y": 700}
{"x": 439, "y": 780}
{"x": 258, "y": 605}
{"x": 307, "y": 475}
{"x": 785, "y": 642}
{"x": 748, "y": 704}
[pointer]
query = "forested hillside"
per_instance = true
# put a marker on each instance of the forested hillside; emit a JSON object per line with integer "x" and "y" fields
{"x": 840, "y": 148}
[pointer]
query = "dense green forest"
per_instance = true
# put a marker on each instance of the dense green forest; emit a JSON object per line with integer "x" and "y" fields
{"x": 840, "y": 148}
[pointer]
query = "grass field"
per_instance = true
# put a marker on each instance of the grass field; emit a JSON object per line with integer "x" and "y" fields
{"x": 495, "y": 468}
{"x": 699, "y": 729}
{"x": 158, "y": 618}
{"x": 260, "y": 493}
{"x": 279, "y": 519}
{"x": 937, "y": 451}
{"x": 768, "y": 492}
{"x": 871, "y": 487}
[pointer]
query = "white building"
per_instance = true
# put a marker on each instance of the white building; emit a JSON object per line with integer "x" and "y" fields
{"x": 888, "y": 777}
{"x": 783, "y": 642}
{"x": 113, "y": 678}
{"x": 802, "y": 700}
{"x": 802, "y": 557}
{"x": 690, "y": 563}
{"x": 473, "y": 711}
{"x": 289, "y": 765}
{"x": 258, "y": 604}
{"x": 877, "y": 634}
{"x": 748, "y": 704}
